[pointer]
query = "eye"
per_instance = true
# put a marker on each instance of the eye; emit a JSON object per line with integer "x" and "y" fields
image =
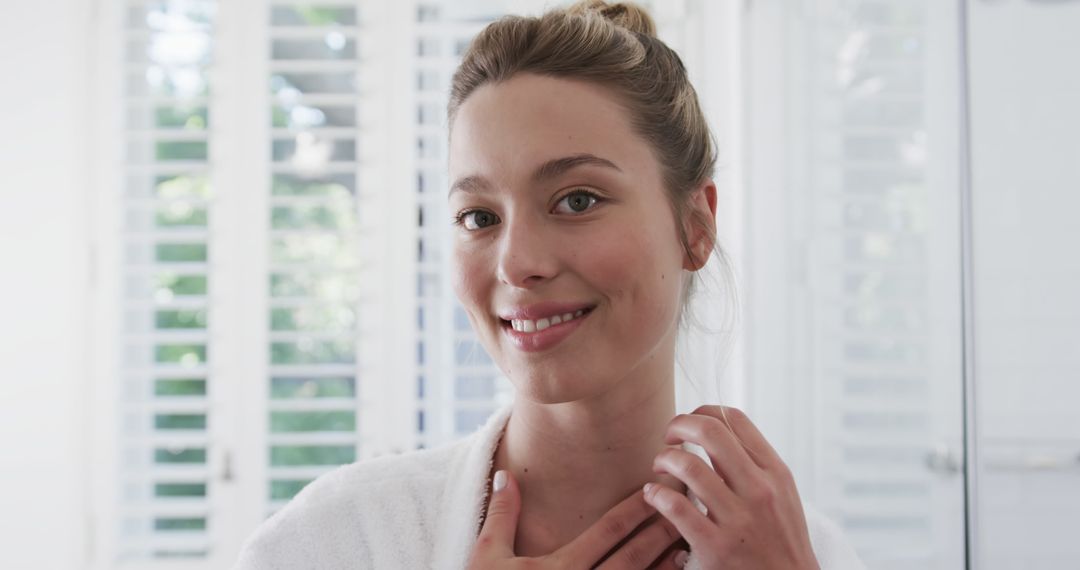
{"x": 476, "y": 219}
{"x": 578, "y": 201}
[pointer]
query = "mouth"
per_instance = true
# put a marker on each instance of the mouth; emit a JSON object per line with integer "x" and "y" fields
{"x": 528, "y": 326}
{"x": 536, "y": 335}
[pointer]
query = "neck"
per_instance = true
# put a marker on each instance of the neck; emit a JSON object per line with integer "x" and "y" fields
{"x": 576, "y": 460}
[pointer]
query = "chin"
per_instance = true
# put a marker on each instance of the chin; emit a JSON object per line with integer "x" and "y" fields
{"x": 555, "y": 388}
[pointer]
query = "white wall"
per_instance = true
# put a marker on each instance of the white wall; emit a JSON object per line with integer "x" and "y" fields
{"x": 44, "y": 56}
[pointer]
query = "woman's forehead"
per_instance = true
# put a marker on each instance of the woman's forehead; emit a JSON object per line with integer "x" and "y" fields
{"x": 512, "y": 127}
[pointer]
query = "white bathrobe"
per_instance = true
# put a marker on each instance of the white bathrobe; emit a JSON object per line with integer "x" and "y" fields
{"x": 421, "y": 510}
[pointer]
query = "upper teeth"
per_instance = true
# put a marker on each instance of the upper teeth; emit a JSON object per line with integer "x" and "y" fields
{"x": 525, "y": 325}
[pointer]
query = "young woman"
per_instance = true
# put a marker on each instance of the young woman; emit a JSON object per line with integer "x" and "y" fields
{"x": 583, "y": 206}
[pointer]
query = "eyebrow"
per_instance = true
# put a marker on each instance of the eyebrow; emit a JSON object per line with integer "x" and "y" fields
{"x": 550, "y": 169}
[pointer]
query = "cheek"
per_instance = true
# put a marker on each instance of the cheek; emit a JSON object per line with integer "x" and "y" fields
{"x": 640, "y": 271}
{"x": 467, "y": 276}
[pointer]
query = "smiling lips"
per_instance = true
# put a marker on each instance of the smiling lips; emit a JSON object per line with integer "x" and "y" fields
{"x": 528, "y": 326}
{"x": 539, "y": 327}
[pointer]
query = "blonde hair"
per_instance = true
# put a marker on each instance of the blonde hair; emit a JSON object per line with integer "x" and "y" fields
{"x": 614, "y": 46}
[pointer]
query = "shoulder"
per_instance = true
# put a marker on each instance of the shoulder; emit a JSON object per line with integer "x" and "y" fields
{"x": 831, "y": 545}
{"x": 349, "y": 515}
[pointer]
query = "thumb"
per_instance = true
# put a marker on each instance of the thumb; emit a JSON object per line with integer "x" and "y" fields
{"x": 496, "y": 540}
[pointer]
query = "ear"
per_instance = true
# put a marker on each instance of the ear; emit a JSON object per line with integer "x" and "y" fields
{"x": 701, "y": 209}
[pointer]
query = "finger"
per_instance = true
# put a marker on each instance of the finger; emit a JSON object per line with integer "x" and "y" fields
{"x": 746, "y": 432}
{"x": 728, "y": 456}
{"x": 673, "y": 559}
{"x": 698, "y": 530}
{"x": 700, "y": 478}
{"x": 496, "y": 539}
{"x": 645, "y": 547}
{"x": 609, "y": 530}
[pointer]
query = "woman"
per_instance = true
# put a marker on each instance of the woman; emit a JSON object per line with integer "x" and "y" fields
{"x": 583, "y": 206}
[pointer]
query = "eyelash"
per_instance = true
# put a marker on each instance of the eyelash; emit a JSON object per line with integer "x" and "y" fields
{"x": 459, "y": 219}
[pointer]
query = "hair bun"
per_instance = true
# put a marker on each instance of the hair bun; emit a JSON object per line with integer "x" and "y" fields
{"x": 624, "y": 14}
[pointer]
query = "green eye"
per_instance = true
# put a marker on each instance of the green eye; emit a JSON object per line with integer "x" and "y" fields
{"x": 578, "y": 201}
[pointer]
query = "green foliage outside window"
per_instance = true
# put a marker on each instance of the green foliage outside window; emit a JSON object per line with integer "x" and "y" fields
{"x": 180, "y": 490}
{"x": 197, "y": 455}
{"x": 293, "y": 455}
{"x": 180, "y": 252}
{"x": 182, "y": 284}
{"x": 180, "y": 387}
{"x": 337, "y": 387}
{"x": 312, "y": 421}
{"x": 180, "y": 150}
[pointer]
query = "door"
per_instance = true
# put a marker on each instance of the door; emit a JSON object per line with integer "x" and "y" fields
{"x": 1025, "y": 165}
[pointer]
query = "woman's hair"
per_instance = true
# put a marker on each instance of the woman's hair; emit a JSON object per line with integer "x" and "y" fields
{"x": 614, "y": 46}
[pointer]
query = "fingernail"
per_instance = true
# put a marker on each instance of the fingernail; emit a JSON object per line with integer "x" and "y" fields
{"x": 680, "y": 558}
{"x": 647, "y": 488}
{"x": 500, "y": 480}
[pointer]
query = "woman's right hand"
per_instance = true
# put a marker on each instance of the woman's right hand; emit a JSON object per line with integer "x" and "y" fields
{"x": 494, "y": 547}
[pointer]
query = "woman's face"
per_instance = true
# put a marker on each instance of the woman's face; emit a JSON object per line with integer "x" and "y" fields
{"x": 561, "y": 212}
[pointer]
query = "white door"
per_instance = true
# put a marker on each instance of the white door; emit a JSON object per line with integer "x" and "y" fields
{"x": 853, "y": 265}
{"x": 1025, "y": 161}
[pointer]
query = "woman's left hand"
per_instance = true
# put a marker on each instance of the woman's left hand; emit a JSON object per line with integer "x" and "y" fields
{"x": 755, "y": 518}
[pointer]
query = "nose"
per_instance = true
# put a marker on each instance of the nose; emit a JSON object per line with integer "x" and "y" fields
{"x": 526, "y": 257}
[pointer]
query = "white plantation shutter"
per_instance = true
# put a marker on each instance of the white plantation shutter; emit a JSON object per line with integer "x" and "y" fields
{"x": 315, "y": 243}
{"x": 854, "y": 349}
{"x": 259, "y": 260}
{"x": 165, "y": 438}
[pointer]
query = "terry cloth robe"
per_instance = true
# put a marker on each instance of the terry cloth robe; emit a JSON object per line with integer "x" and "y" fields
{"x": 422, "y": 509}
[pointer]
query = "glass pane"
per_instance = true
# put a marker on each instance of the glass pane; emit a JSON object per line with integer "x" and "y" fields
{"x": 287, "y": 86}
{"x": 181, "y": 319}
{"x": 188, "y": 47}
{"x": 179, "y": 524}
{"x": 180, "y": 421}
{"x": 180, "y": 387}
{"x": 308, "y": 149}
{"x": 180, "y": 490}
{"x": 180, "y": 214}
{"x": 182, "y": 82}
{"x": 332, "y": 46}
{"x": 338, "y": 287}
{"x": 313, "y": 319}
{"x": 281, "y": 422}
{"x": 165, "y": 252}
{"x": 186, "y": 354}
{"x": 313, "y": 352}
{"x": 179, "y": 117}
{"x": 312, "y": 15}
{"x": 171, "y": 16}
{"x": 171, "y": 284}
{"x": 180, "y": 455}
{"x": 282, "y": 490}
{"x": 330, "y": 185}
{"x": 296, "y": 455}
{"x": 302, "y": 116}
{"x": 312, "y": 388}
{"x": 341, "y": 216}
{"x": 330, "y": 249}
